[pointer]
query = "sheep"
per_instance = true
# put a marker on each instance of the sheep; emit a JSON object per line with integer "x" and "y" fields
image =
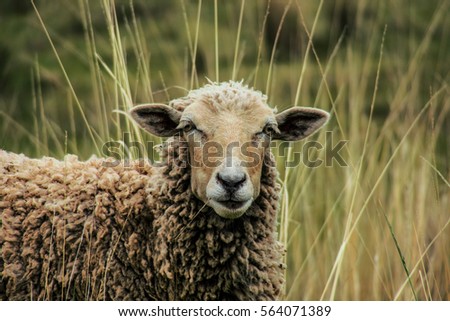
{"x": 184, "y": 230}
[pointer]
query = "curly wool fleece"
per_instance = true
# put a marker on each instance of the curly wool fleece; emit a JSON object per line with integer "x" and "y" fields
{"x": 76, "y": 230}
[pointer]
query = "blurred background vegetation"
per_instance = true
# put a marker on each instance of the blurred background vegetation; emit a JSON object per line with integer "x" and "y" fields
{"x": 70, "y": 69}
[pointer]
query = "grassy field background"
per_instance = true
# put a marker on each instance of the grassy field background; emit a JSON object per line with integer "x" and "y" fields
{"x": 374, "y": 228}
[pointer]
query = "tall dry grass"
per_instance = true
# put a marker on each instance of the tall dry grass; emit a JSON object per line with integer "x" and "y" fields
{"x": 373, "y": 227}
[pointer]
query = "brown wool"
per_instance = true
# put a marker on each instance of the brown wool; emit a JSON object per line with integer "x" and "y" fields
{"x": 76, "y": 230}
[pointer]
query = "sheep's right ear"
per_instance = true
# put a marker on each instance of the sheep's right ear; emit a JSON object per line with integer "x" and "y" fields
{"x": 159, "y": 120}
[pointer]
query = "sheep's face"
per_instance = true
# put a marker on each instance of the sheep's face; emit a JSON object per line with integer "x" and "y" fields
{"x": 227, "y": 147}
{"x": 228, "y": 138}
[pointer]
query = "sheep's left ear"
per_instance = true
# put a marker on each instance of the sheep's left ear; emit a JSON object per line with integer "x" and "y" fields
{"x": 297, "y": 123}
{"x": 158, "y": 119}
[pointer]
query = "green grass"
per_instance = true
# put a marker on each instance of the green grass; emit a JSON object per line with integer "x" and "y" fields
{"x": 375, "y": 229}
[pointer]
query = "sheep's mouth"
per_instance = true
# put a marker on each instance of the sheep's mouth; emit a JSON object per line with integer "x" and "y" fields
{"x": 232, "y": 205}
{"x": 230, "y": 209}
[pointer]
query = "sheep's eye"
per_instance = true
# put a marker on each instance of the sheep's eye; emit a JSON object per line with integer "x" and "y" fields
{"x": 188, "y": 127}
{"x": 269, "y": 131}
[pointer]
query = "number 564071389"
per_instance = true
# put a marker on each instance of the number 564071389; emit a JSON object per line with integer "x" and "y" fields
{"x": 296, "y": 310}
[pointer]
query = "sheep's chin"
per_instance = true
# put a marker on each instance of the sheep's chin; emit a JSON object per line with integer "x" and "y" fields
{"x": 230, "y": 210}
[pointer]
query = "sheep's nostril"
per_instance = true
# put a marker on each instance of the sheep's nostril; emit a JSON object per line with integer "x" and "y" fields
{"x": 230, "y": 180}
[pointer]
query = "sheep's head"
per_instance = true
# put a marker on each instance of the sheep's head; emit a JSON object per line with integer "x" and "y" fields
{"x": 228, "y": 128}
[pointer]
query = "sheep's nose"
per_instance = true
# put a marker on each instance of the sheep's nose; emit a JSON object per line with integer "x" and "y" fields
{"x": 231, "y": 179}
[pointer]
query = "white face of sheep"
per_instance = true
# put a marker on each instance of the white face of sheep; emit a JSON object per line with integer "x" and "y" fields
{"x": 227, "y": 145}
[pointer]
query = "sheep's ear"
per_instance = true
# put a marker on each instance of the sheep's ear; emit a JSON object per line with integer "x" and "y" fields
{"x": 297, "y": 123}
{"x": 160, "y": 120}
